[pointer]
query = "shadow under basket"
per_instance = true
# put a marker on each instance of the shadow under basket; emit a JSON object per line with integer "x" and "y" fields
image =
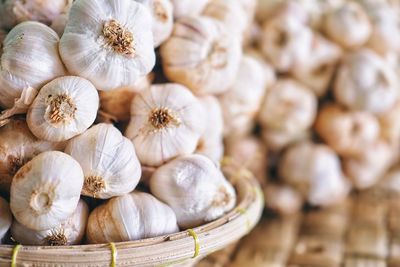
{"x": 171, "y": 250}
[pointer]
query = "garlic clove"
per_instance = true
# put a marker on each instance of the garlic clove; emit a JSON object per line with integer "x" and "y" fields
{"x": 17, "y": 146}
{"x": 202, "y": 55}
{"x": 108, "y": 42}
{"x": 69, "y": 232}
{"x": 130, "y": 217}
{"x": 188, "y": 8}
{"x": 194, "y": 188}
{"x": 64, "y": 108}
{"x": 30, "y": 59}
{"x": 46, "y": 190}
{"x": 108, "y": 160}
{"x": 5, "y": 218}
{"x": 166, "y": 121}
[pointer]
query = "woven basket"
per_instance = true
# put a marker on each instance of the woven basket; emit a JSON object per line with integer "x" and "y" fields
{"x": 169, "y": 250}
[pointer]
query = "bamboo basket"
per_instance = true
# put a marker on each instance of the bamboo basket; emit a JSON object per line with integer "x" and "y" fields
{"x": 170, "y": 250}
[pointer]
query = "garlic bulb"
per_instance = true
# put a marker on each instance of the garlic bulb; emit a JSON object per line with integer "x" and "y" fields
{"x": 64, "y": 108}
{"x": 194, "y": 188}
{"x": 18, "y": 145}
{"x": 348, "y": 25}
{"x": 30, "y": 59}
{"x": 69, "y": 232}
{"x": 108, "y": 42}
{"x": 58, "y": 24}
{"x": 314, "y": 170}
{"x": 346, "y": 132}
{"x": 211, "y": 140}
{"x": 130, "y": 217}
{"x": 286, "y": 42}
{"x": 249, "y": 7}
{"x": 241, "y": 102}
{"x": 202, "y": 55}
{"x": 282, "y": 199}
{"x": 188, "y": 8}
{"x": 390, "y": 124}
{"x": 108, "y": 160}
{"x": 317, "y": 72}
{"x": 365, "y": 82}
{"x": 277, "y": 140}
{"x": 5, "y": 218}
{"x": 45, "y": 11}
{"x": 166, "y": 121}
{"x": 46, "y": 190}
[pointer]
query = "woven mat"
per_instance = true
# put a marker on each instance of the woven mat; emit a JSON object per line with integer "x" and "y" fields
{"x": 363, "y": 231}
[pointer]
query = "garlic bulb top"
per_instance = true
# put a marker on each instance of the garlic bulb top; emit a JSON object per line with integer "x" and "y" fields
{"x": 69, "y": 232}
{"x": 18, "y": 145}
{"x": 30, "y": 59}
{"x": 202, "y": 55}
{"x": 108, "y": 160}
{"x": 64, "y": 108}
{"x": 130, "y": 217}
{"x": 365, "y": 82}
{"x": 188, "y": 8}
{"x": 166, "y": 121}
{"x": 5, "y": 218}
{"x": 46, "y": 190}
{"x": 194, "y": 188}
{"x": 108, "y": 42}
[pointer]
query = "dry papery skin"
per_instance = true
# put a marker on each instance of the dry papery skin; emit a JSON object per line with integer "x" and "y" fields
{"x": 69, "y": 232}
{"x": 5, "y": 218}
{"x": 130, "y": 217}
{"x": 348, "y": 25}
{"x": 202, "y": 55}
{"x": 314, "y": 171}
{"x": 347, "y": 132}
{"x": 282, "y": 199}
{"x": 188, "y": 8}
{"x": 364, "y": 81}
{"x": 18, "y": 145}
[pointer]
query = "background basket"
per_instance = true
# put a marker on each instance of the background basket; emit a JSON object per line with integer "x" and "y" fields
{"x": 176, "y": 249}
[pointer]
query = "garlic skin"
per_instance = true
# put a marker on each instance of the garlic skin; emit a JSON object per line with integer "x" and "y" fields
{"x": 347, "y": 132}
{"x": 104, "y": 43}
{"x": 46, "y": 190}
{"x": 166, "y": 121}
{"x": 5, "y": 218}
{"x": 241, "y": 103}
{"x": 314, "y": 170}
{"x": 194, "y": 188}
{"x": 58, "y": 24}
{"x": 123, "y": 219}
{"x": 30, "y": 59}
{"x": 108, "y": 161}
{"x": 163, "y": 20}
{"x": 202, "y": 55}
{"x": 365, "y": 82}
{"x": 348, "y": 25}
{"x": 18, "y": 145}
{"x": 64, "y": 108}
{"x": 188, "y": 8}
{"x": 69, "y": 232}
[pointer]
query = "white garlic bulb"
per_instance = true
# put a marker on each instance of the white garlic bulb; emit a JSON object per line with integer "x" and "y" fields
{"x": 108, "y": 160}
{"x": 348, "y": 25}
{"x": 346, "y": 132}
{"x": 30, "y": 59}
{"x": 194, "y": 188}
{"x": 46, "y": 190}
{"x": 282, "y": 199}
{"x": 64, "y": 108}
{"x": 365, "y": 82}
{"x": 202, "y": 55}
{"x": 108, "y": 42}
{"x": 390, "y": 124}
{"x": 166, "y": 121}
{"x": 240, "y": 104}
{"x": 69, "y": 232}
{"x": 277, "y": 140}
{"x": 286, "y": 42}
{"x": 5, "y": 218}
{"x": 314, "y": 170}
{"x": 45, "y": 11}
{"x": 58, "y": 24}
{"x": 18, "y": 145}
{"x": 130, "y": 217}
{"x": 188, "y": 8}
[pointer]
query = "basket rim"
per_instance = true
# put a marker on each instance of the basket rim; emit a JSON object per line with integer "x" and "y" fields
{"x": 183, "y": 245}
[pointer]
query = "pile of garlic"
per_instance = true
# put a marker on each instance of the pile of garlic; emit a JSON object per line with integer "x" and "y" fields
{"x": 116, "y": 115}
